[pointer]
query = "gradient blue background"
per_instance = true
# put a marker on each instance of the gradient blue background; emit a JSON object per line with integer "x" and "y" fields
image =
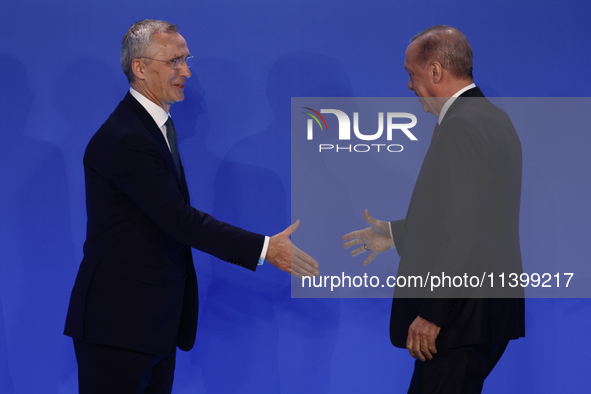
{"x": 60, "y": 79}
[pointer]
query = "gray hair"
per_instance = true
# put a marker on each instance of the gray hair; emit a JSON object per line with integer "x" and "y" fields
{"x": 138, "y": 39}
{"x": 448, "y": 46}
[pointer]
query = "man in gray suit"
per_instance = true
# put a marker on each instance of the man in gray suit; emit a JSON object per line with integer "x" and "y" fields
{"x": 463, "y": 217}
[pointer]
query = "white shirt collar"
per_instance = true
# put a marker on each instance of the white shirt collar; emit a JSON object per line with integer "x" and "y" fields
{"x": 157, "y": 113}
{"x": 451, "y": 100}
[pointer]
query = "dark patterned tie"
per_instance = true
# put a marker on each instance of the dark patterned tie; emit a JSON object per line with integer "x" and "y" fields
{"x": 174, "y": 149}
{"x": 435, "y": 131}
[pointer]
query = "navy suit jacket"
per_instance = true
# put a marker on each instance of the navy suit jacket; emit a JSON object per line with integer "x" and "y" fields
{"x": 136, "y": 287}
{"x": 463, "y": 218}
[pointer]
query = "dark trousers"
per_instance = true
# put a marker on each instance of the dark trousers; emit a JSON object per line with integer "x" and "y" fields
{"x": 111, "y": 370}
{"x": 459, "y": 370}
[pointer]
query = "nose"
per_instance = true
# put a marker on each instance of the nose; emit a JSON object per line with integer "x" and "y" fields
{"x": 185, "y": 71}
{"x": 410, "y": 84}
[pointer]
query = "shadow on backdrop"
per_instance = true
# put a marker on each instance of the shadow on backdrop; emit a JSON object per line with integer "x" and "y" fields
{"x": 87, "y": 93}
{"x": 288, "y": 332}
{"x": 37, "y": 248}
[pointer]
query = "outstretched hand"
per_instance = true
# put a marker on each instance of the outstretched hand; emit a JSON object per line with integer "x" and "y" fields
{"x": 375, "y": 238}
{"x": 288, "y": 257}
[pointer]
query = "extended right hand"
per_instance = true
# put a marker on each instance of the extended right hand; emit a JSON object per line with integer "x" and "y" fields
{"x": 283, "y": 254}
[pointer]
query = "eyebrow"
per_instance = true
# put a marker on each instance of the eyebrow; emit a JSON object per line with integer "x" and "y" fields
{"x": 181, "y": 57}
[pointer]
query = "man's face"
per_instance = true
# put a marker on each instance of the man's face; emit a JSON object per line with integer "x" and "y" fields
{"x": 420, "y": 81}
{"x": 165, "y": 85}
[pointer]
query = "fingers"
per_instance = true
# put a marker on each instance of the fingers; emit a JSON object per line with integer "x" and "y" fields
{"x": 424, "y": 352}
{"x": 431, "y": 340}
{"x": 302, "y": 264}
{"x": 409, "y": 346}
{"x": 355, "y": 242}
{"x": 294, "y": 226}
{"x": 351, "y": 235}
{"x": 375, "y": 235}
{"x": 416, "y": 346}
{"x": 356, "y": 237}
{"x": 288, "y": 257}
{"x": 368, "y": 218}
{"x": 359, "y": 238}
{"x": 381, "y": 225}
{"x": 369, "y": 258}
{"x": 357, "y": 251}
{"x": 299, "y": 269}
{"x": 431, "y": 348}
{"x": 288, "y": 231}
{"x": 420, "y": 342}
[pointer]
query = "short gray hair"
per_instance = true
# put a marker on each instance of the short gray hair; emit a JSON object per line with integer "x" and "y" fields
{"x": 448, "y": 46}
{"x": 138, "y": 39}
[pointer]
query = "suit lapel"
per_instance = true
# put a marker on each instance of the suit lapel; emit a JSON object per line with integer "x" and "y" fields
{"x": 472, "y": 93}
{"x": 156, "y": 133}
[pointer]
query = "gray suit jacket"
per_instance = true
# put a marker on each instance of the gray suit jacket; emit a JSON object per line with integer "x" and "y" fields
{"x": 463, "y": 218}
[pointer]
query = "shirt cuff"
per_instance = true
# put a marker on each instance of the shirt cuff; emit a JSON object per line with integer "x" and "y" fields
{"x": 264, "y": 251}
{"x": 393, "y": 246}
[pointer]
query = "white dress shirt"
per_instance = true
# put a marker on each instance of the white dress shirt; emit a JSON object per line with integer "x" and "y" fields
{"x": 451, "y": 100}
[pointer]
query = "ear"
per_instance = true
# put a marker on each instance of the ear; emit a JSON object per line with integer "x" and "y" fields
{"x": 436, "y": 72}
{"x": 138, "y": 68}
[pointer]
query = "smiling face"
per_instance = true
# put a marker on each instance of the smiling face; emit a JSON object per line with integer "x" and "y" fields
{"x": 156, "y": 79}
{"x": 420, "y": 80}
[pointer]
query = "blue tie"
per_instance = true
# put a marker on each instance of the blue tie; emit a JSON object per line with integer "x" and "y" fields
{"x": 174, "y": 149}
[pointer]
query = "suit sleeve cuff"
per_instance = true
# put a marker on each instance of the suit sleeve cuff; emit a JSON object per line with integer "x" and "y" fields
{"x": 391, "y": 236}
{"x": 397, "y": 231}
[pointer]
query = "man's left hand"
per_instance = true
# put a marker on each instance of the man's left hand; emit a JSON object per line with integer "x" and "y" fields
{"x": 421, "y": 339}
{"x": 375, "y": 239}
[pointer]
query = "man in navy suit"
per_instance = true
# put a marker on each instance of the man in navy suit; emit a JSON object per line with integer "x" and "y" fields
{"x": 463, "y": 218}
{"x": 135, "y": 297}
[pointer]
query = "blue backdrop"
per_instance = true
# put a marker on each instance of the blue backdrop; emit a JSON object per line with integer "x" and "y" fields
{"x": 60, "y": 78}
